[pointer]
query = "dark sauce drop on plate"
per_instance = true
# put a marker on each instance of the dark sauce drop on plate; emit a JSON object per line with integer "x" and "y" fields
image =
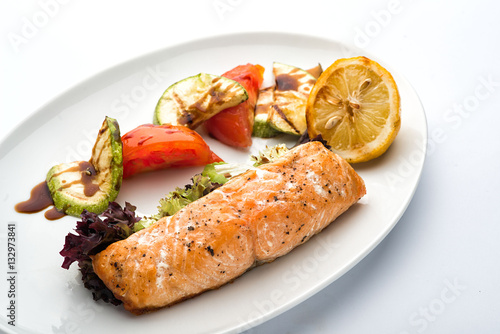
{"x": 40, "y": 198}
{"x": 54, "y": 214}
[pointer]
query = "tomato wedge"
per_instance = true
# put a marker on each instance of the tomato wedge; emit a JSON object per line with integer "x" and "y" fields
{"x": 151, "y": 147}
{"x": 233, "y": 126}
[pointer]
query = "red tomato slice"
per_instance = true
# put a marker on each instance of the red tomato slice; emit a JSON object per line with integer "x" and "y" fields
{"x": 233, "y": 126}
{"x": 152, "y": 147}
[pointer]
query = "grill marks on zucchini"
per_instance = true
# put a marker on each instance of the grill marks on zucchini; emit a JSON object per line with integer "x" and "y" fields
{"x": 286, "y": 112}
{"x": 193, "y": 100}
{"x": 90, "y": 185}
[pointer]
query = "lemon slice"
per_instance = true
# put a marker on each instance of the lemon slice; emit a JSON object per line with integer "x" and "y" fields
{"x": 193, "y": 100}
{"x": 355, "y": 106}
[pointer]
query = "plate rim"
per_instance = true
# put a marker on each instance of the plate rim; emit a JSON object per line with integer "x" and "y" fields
{"x": 9, "y": 141}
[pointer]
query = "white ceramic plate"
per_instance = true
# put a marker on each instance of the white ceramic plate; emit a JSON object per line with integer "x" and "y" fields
{"x": 51, "y": 299}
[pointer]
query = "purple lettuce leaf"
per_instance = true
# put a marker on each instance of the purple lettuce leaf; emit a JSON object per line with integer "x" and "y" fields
{"x": 93, "y": 234}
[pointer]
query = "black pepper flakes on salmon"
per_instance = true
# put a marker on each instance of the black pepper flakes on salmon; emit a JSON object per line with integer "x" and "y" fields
{"x": 210, "y": 250}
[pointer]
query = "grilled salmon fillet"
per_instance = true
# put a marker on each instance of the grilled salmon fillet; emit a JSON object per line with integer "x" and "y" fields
{"x": 254, "y": 218}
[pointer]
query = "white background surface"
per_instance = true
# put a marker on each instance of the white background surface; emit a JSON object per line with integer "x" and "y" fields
{"x": 437, "y": 271}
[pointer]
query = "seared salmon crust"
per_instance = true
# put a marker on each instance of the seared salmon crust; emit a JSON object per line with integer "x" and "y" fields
{"x": 254, "y": 218}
